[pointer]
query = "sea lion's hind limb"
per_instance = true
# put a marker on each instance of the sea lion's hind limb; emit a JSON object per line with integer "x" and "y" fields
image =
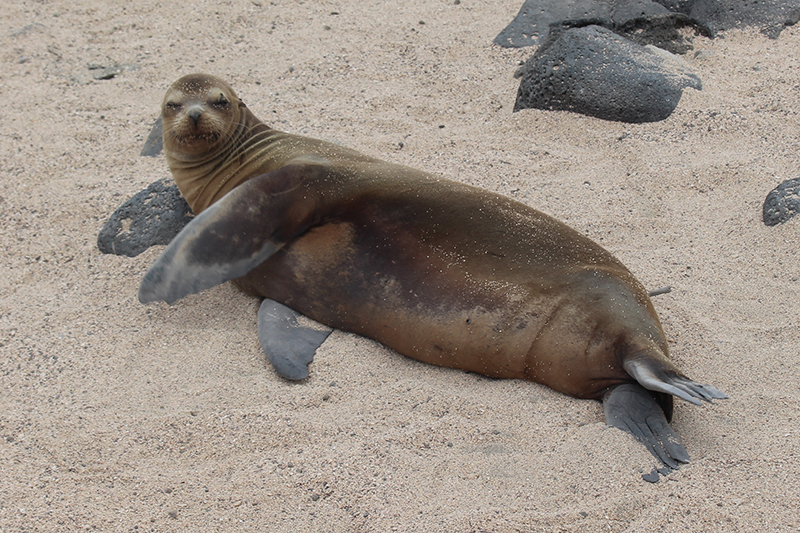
{"x": 633, "y": 409}
{"x": 289, "y": 346}
{"x": 235, "y": 234}
{"x": 656, "y": 375}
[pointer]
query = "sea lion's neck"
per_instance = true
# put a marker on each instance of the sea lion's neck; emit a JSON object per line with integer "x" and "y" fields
{"x": 205, "y": 178}
{"x": 252, "y": 149}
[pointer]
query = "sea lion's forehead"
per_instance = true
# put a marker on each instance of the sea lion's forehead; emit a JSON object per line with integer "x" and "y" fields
{"x": 196, "y": 86}
{"x": 200, "y": 85}
{"x": 211, "y": 92}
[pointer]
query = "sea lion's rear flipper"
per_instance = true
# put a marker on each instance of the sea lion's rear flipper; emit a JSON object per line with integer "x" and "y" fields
{"x": 151, "y": 217}
{"x": 660, "y": 375}
{"x": 289, "y": 346}
{"x": 236, "y": 234}
{"x": 632, "y": 408}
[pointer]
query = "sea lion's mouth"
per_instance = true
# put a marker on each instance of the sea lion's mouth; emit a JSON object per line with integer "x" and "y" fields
{"x": 207, "y": 138}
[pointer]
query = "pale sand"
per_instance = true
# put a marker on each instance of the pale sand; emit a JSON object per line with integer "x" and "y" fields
{"x": 119, "y": 417}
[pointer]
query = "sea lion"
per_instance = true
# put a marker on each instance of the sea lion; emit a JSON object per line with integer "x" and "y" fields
{"x": 442, "y": 272}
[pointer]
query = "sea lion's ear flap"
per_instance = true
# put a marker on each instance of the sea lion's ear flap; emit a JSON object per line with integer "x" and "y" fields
{"x": 241, "y": 103}
{"x": 234, "y": 235}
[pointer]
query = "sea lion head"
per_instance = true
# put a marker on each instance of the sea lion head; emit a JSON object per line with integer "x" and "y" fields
{"x": 201, "y": 115}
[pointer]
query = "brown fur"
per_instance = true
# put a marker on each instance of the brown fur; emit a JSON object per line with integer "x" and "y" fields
{"x": 440, "y": 271}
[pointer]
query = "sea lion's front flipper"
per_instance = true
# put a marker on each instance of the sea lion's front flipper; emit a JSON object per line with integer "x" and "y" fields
{"x": 155, "y": 140}
{"x": 151, "y": 217}
{"x": 289, "y": 346}
{"x": 632, "y": 408}
{"x": 237, "y": 233}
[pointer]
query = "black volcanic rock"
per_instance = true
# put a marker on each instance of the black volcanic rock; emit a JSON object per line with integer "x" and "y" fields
{"x": 782, "y": 203}
{"x": 593, "y": 71}
{"x": 769, "y": 16}
{"x": 532, "y": 24}
{"x": 152, "y": 217}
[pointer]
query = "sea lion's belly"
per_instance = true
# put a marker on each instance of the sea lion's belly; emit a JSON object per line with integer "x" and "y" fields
{"x": 435, "y": 305}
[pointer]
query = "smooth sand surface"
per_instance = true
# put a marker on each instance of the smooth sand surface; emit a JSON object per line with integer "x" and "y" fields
{"x": 116, "y": 416}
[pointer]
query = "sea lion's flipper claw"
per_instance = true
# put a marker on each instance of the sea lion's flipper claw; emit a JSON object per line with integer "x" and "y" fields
{"x": 706, "y": 392}
{"x": 632, "y": 408}
{"x": 233, "y": 236}
{"x": 653, "y": 374}
{"x": 289, "y": 346}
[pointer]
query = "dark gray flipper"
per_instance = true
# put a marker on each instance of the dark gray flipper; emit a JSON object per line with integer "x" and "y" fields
{"x": 152, "y": 217}
{"x": 204, "y": 254}
{"x": 236, "y": 234}
{"x": 289, "y": 346}
{"x": 632, "y": 408}
{"x": 155, "y": 141}
{"x": 651, "y": 374}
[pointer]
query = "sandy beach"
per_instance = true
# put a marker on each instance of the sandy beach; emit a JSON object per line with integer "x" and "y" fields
{"x": 115, "y": 416}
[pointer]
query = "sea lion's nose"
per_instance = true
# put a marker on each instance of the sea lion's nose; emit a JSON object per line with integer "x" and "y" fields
{"x": 195, "y": 115}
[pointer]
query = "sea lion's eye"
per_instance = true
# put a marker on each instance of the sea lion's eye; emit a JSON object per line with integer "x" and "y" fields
{"x": 173, "y": 106}
{"x": 222, "y": 102}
